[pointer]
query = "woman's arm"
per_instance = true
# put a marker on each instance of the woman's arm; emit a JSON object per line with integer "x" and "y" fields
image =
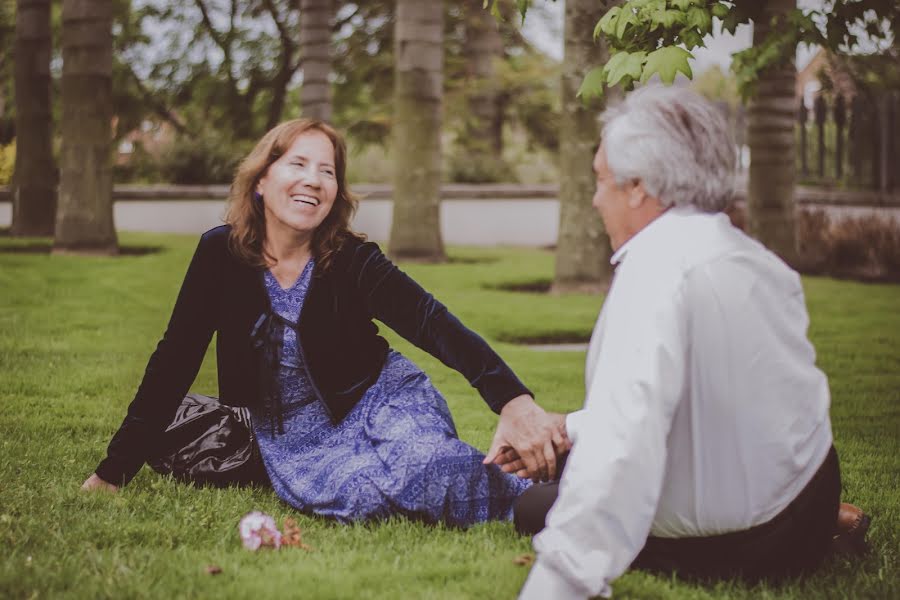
{"x": 524, "y": 424}
{"x": 169, "y": 374}
{"x": 95, "y": 483}
{"x": 396, "y": 300}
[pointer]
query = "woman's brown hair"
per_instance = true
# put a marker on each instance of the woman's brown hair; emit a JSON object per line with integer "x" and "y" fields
{"x": 246, "y": 214}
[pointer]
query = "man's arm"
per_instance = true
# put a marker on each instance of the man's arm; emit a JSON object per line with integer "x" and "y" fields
{"x": 614, "y": 475}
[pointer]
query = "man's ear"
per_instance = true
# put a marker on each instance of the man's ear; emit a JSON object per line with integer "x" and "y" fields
{"x": 637, "y": 195}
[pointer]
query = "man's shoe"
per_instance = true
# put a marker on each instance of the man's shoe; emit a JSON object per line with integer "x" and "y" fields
{"x": 850, "y": 531}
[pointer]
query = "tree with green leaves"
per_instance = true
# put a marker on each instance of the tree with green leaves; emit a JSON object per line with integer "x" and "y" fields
{"x": 655, "y": 37}
{"x": 483, "y": 96}
{"x": 416, "y": 135}
{"x": 34, "y": 179}
{"x": 84, "y": 218}
{"x": 170, "y": 67}
{"x": 222, "y": 66}
{"x": 135, "y": 98}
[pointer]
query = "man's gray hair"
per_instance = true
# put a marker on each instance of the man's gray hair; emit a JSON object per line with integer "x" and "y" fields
{"x": 676, "y": 143}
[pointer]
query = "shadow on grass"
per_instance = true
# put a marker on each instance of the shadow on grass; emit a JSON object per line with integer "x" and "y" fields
{"x": 535, "y": 286}
{"x": 547, "y": 338}
{"x": 472, "y": 260}
{"x": 429, "y": 260}
{"x": 45, "y": 247}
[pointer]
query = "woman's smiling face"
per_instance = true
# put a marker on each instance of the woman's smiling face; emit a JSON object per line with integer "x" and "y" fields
{"x": 299, "y": 188}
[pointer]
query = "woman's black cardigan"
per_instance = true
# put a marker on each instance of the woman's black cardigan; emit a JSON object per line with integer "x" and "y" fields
{"x": 338, "y": 340}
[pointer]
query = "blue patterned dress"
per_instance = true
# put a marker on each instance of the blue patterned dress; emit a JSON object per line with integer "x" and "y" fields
{"x": 396, "y": 453}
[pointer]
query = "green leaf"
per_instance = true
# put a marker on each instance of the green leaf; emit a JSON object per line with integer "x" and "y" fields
{"x": 683, "y": 4}
{"x": 744, "y": 72}
{"x": 731, "y": 21}
{"x": 652, "y": 5}
{"x": 667, "y": 61}
{"x": 607, "y": 24}
{"x": 592, "y": 84}
{"x": 690, "y": 37}
{"x": 494, "y": 7}
{"x": 667, "y": 18}
{"x": 699, "y": 18}
{"x": 626, "y": 18}
{"x": 624, "y": 64}
{"x": 720, "y": 10}
{"x": 523, "y": 6}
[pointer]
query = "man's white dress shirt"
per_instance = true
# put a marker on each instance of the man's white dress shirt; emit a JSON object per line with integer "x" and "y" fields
{"x": 704, "y": 414}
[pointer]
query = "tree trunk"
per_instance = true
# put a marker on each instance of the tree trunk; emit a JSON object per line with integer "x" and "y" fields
{"x": 770, "y": 192}
{"x": 316, "y": 17}
{"x": 583, "y": 250}
{"x": 481, "y": 143}
{"x": 84, "y": 221}
{"x": 34, "y": 179}
{"x": 416, "y": 139}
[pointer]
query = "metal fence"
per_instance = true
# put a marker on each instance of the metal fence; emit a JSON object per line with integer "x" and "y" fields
{"x": 851, "y": 143}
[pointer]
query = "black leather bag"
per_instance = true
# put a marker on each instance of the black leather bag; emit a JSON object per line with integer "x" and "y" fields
{"x": 209, "y": 443}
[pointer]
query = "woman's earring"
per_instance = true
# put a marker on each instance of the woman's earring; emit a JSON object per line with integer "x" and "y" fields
{"x": 257, "y": 197}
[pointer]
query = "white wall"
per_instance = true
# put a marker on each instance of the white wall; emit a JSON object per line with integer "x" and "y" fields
{"x": 463, "y": 222}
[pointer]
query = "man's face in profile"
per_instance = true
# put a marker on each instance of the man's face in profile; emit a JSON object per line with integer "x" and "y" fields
{"x": 611, "y": 200}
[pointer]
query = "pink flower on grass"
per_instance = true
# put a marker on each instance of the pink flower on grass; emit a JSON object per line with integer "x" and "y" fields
{"x": 259, "y": 530}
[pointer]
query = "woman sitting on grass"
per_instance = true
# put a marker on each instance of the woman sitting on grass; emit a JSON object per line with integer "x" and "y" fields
{"x": 347, "y": 427}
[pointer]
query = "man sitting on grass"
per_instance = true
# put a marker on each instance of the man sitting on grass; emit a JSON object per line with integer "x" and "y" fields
{"x": 705, "y": 444}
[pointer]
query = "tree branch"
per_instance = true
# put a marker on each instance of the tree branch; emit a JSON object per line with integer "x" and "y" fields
{"x": 222, "y": 41}
{"x": 286, "y": 66}
{"x": 339, "y": 23}
{"x": 216, "y": 36}
{"x": 158, "y": 107}
{"x": 276, "y": 17}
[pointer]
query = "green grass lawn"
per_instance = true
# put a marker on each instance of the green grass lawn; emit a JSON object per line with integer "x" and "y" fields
{"x": 75, "y": 334}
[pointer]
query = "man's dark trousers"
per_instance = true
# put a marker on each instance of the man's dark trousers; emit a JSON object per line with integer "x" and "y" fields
{"x": 794, "y": 541}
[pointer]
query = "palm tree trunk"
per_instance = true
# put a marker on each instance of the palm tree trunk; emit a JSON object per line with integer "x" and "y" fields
{"x": 34, "y": 180}
{"x": 84, "y": 221}
{"x": 316, "y": 17}
{"x": 418, "y": 95}
{"x": 583, "y": 250}
{"x": 770, "y": 135}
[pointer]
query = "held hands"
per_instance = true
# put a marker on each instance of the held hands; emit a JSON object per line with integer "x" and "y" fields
{"x": 528, "y": 440}
{"x": 95, "y": 483}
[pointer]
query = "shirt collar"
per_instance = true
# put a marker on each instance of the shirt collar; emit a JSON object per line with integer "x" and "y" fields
{"x": 647, "y": 232}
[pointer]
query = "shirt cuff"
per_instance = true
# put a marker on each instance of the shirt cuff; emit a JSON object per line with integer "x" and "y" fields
{"x": 543, "y": 582}
{"x": 572, "y": 421}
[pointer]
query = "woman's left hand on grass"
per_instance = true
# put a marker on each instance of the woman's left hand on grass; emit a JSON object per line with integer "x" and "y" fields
{"x": 528, "y": 440}
{"x": 95, "y": 483}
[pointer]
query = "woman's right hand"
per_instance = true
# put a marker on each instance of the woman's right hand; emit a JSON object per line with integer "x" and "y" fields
{"x": 95, "y": 483}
